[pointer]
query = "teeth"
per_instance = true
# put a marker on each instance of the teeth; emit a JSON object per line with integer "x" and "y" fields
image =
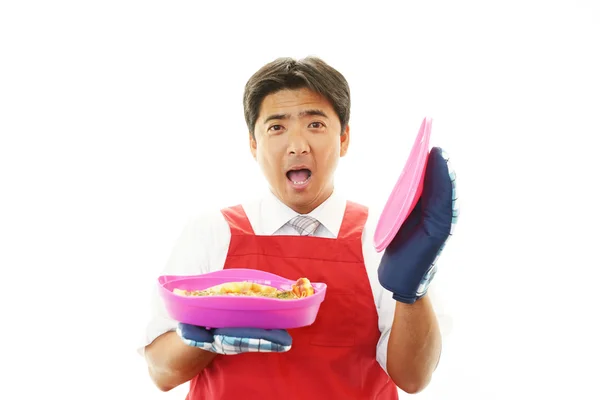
{"x": 301, "y": 182}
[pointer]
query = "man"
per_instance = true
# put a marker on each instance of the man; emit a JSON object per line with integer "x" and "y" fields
{"x": 376, "y": 331}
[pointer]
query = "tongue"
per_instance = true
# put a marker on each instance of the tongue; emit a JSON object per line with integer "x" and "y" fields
{"x": 298, "y": 176}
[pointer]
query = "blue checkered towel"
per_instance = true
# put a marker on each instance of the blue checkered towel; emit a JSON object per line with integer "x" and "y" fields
{"x": 235, "y": 340}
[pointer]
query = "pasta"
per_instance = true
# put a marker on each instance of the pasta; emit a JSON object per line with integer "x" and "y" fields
{"x": 302, "y": 288}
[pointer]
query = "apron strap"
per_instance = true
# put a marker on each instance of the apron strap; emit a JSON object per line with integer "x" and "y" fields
{"x": 238, "y": 220}
{"x": 355, "y": 218}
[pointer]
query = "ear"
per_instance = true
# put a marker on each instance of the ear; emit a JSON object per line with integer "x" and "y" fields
{"x": 344, "y": 141}
{"x": 252, "y": 143}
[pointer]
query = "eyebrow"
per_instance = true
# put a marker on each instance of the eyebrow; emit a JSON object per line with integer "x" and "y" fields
{"x": 300, "y": 114}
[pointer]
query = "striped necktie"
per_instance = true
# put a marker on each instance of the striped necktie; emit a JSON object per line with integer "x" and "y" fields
{"x": 304, "y": 224}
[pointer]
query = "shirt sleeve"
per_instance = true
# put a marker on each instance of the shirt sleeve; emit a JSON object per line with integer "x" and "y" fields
{"x": 200, "y": 248}
{"x": 384, "y": 301}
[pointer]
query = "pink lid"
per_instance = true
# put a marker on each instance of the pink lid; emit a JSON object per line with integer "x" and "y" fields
{"x": 407, "y": 190}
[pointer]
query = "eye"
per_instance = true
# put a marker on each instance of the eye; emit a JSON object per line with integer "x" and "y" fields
{"x": 316, "y": 125}
{"x": 275, "y": 128}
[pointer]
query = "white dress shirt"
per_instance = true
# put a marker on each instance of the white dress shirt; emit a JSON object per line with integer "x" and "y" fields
{"x": 204, "y": 243}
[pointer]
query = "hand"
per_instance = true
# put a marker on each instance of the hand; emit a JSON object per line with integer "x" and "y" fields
{"x": 235, "y": 340}
{"x": 409, "y": 262}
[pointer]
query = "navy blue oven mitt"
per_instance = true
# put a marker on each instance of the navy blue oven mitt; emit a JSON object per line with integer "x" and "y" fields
{"x": 408, "y": 264}
{"x": 235, "y": 340}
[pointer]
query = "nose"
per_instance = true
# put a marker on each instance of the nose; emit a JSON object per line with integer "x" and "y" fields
{"x": 297, "y": 144}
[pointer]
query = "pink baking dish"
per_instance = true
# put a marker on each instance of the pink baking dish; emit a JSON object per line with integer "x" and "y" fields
{"x": 238, "y": 311}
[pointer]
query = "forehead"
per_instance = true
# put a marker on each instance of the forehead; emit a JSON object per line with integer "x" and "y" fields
{"x": 293, "y": 101}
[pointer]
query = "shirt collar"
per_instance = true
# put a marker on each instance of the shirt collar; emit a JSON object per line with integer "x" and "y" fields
{"x": 274, "y": 213}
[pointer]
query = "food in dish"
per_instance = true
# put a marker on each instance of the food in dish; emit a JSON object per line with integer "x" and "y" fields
{"x": 302, "y": 288}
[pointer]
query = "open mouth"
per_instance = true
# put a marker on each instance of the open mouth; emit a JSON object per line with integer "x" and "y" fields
{"x": 299, "y": 176}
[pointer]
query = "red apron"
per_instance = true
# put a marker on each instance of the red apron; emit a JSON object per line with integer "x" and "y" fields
{"x": 332, "y": 359}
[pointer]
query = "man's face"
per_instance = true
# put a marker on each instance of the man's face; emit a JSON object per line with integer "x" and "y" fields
{"x": 297, "y": 144}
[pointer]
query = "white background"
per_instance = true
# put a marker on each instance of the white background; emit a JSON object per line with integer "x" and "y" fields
{"x": 119, "y": 120}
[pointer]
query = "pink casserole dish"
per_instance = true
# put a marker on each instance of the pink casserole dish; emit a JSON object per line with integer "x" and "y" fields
{"x": 238, "y": 311}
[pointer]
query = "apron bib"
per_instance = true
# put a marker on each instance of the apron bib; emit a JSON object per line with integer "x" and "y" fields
{"x": 335, "y": 358}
